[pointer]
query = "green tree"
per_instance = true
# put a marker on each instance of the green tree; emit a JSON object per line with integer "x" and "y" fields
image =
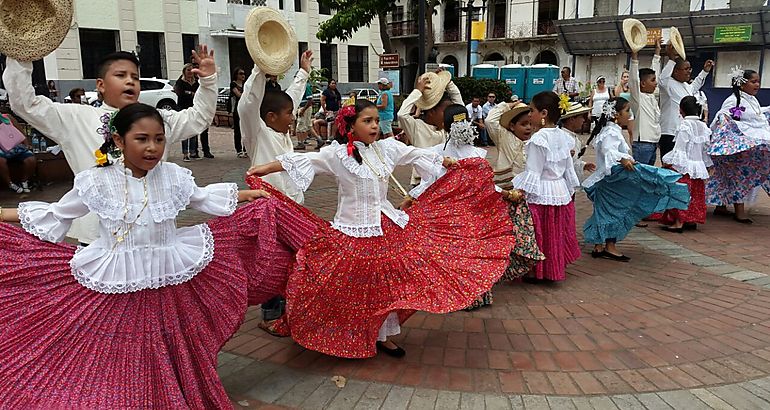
{"x": 351, "y": 15}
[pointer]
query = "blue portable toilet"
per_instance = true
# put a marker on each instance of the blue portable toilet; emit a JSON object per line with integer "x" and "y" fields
{"x": 486, "y": 71}
{"x": 448, "y": 67}
{"x": 540, "y": 77}
{"x": 515, "y": 76}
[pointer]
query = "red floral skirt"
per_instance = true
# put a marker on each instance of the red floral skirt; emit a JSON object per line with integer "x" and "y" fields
{"x": 556, "y": 236}
{"x": 696, "y": 211}
{"x": 456, "y": 245}
{"x": 65, "y": 346}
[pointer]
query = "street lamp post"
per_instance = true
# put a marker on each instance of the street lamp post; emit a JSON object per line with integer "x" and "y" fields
{"x": 469, "y": 11}
{"x": 421, "y": 37}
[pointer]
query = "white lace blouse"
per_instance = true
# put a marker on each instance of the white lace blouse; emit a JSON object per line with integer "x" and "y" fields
{"x": 549, "y": 176}
{"x": 610, "y": 146}
{"x": 690, "y": 154}
{"x": 153, "y": 253}
{"x": 362, "y": 188}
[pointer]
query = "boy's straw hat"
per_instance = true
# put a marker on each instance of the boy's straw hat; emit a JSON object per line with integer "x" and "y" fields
{"x": 434, "y": 89}
{"x": 271, "y": 41}
{"x": 32, "y": 29}
{"x": 635, "y": 33}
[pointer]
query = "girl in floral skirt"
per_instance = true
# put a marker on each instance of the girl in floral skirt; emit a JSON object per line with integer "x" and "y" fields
{"x": 135, "y": 319}
{"x": 365, "y": 273}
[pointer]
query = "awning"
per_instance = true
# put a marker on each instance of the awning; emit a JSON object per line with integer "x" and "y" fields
{"x": 228, "y": 33}
{"x": 604, "y": 35}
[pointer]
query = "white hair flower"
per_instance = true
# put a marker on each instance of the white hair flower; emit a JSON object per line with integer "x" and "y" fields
{"x": 462, "y": 133}
{"x": 736, "y": 76}
{"x": 609, "y": 109}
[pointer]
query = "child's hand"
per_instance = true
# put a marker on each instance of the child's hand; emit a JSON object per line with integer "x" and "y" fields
{"x": 514, "y": 195}
{"x": 589, "y": 167}
{"x": 258, "y": 170}
{"x": 628, "y": 164}
{"x": 406, "y": 203}
{"x": 204, "y": 58}
{"x": 422, "y": 83}
{"x": 449, "y": 161}
{"x": 251, "y": 195}
{"x": 657, "y": 45}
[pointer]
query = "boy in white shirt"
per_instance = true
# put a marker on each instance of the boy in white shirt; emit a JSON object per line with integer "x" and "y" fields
{"x": 266, "y": 117}
{"x": 80, "y": 129}
{"x": 644, "y": 104}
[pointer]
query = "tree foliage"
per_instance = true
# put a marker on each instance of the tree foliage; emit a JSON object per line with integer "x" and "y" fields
{"x": 480, "y": 87}
{"x": 349, "y": 16}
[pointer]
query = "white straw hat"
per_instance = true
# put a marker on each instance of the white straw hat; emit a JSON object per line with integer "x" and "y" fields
{"x": 434, "y": 89}
{"x": 271, "y": 41}
{"x": 676, "y": 41}
{"x": 635, "y": 33}
{"x": 32, "y": 29}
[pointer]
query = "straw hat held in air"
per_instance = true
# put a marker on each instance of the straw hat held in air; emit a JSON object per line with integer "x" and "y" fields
{"x": 635, "y": 33}
{"x": 271, "y": 41}
{"x": 434, "y": 89}
{"x": 32, "y": 29}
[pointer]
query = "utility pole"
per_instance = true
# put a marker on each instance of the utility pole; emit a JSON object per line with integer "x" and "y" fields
{"x": 469, "y": 12}
{"x": 421, "y": 39}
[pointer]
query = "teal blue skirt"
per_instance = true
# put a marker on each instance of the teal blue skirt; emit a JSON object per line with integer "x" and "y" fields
{"x": 623, "y": 198}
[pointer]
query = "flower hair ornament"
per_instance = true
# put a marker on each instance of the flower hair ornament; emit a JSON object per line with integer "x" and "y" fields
{"x": 564, "y": 103}
{"x": 461, "y": 133}
{"x": 106, "y": 130}
{"x": 342, "y": 125}
{"x": 609, "y": 111}
{"x": 736, "y": 76}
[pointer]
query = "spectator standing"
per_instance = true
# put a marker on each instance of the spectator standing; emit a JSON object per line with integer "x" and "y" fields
{"x": 185, "y": 88}
{"x": 622, "y": 90}
{"x": 236, "y": 90}
{"x": 272, "y": 83}
{"x": 476, "y": 116}
{"x": 567, "y": 84}
{"x": 330, "y": 104}
{"x": 485, "y": 109}
{"x": 386, "y": 107}
{"x": 599, "y": 96}
{"x": 76, "y": 96}
{"x": 53, "y": 93}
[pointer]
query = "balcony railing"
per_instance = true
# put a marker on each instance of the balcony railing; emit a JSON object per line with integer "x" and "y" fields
{"x": 403, "y": 28}
{"x": 249, "y": 2}
{"x": 497, "y": 31}
{"x": 451, "y": 35}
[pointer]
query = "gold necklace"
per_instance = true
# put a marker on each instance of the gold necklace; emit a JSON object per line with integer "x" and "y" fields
{"x": 401, "y": 189}
{"x": 121, "y": 236}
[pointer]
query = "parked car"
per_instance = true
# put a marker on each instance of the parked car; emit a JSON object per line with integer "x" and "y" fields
{"x": 366, "y": 94}
{"x": 156, "y": 92}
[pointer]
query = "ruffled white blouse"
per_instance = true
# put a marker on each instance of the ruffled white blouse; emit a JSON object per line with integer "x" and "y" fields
{"x": 753, "y": 122}
{"x": 362, "y": 188}
{"x": 690, "y": 153}
{"x": 153, "y": 253}
{"x": 549, "y": 177}
{"x": 454, "y": 150}
{"x": 610, "y": 146}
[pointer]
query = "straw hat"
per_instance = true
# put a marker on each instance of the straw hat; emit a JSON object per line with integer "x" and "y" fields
{"x": 575, "y": 109}
{"x": 676, "y": 41}
{"x": 514, "y": 112}
{"x": 32, "y": 29}
{"x": 271, "y": 41}
{"x": 635, "y": 33}
{"x": 434, "y": 89}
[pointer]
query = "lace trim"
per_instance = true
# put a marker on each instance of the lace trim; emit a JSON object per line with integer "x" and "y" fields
{"x": 27, "y": 222}
{"x": 696, "y": 133}
{"x": 362, "y": 170}
{"x": 528, "y": 182}
{"x": 390, "y": 327}
{"x": 289, "y": 162}
{"x": 361, "y": 231}
{"x": 557, "y": 143}
{"x": 152, "y": 283}
{"x": 552, "y": 200}
{"x": 232, "y": 198}
{"x": 401, "y": 220}
{"x": 610, "y": 129}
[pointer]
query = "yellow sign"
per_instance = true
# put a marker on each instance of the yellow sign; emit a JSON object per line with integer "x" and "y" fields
{"x": 653, "y": 34}
{"x": 478, "y": 30}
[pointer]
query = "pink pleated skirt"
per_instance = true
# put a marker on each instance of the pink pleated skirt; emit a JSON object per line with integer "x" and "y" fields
{"x": 556, "y": 237}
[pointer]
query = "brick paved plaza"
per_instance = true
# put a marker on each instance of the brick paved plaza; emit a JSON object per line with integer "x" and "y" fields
{"x": 685, "y": 324}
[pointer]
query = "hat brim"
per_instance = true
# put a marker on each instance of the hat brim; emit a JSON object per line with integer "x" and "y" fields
{"x": 270, "y": 40}
{"x": 508, "y": 116}
{"x": 29, "y": 37}
{"x": 434, "y": 90}
{"x": 576, "y": 112}
{"x": 635, "y": 33}
{"x": 677, "y": 42}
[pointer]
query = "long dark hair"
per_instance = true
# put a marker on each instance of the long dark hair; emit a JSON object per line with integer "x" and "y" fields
{"x": 747, "y": 74}
{"x": 449, "y": 115}
{"x": 548, "y": 100}
{"x": 122, "y": 121}
{"x": 689, "y": 106}
{"x": 361, "y": 104}
{"x": 620, "y": 104}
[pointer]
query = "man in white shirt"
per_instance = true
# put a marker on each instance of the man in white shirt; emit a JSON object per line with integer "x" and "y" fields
{"x": 81, "y": 129}
{"x": 567, "y": 84}
{"x": 673, "y": 87}
{"x": 476, "y": 115}
{"x": 644, "y": 104}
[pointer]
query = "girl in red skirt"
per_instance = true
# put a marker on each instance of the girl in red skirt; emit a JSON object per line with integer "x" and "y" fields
{"x": 549, "y": 182}
{"x": 689, "y": 158}
{"x": 362, "y": 275}
{"x": 135, "y": 319}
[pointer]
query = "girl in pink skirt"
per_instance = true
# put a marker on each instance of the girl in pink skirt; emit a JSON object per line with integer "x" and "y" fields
{"x": 135, "y": 319}
{"x": 549, "y": 182}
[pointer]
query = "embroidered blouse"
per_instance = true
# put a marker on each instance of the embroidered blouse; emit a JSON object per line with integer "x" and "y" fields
{"x": 453, "y": 150}
{"x": 549, "y": 176}
{"x": 139, "y": 245}
{"x": 690, "y": 153}
{"x": 362, "y": 188}
{"x": 610, "y": 146}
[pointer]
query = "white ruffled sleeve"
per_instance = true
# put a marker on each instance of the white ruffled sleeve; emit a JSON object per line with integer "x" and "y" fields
{"x": 426, "y": 163}
{"x": 216, "y": 199}
{"x": 529, "y": 180}
{"x": 302, "y": 168}
{"x": 610, "y": 150}
{"x": 678, "y": 157}
{"x": 50, "y": 222}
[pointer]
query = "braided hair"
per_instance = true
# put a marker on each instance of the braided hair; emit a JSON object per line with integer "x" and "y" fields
{"x": 619, "y": 103}
{"x": 120, "y": 122}
{"x": 737, "y": 84}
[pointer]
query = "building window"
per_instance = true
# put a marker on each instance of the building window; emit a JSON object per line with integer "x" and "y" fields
{"x": 323, "y": 9}
{"x": 329, "y": 60}
{"x": 152, "y": 54}
{"x": 239, "y": 57}
{"x": 358, "y": 67}
{"x": 547, "y": 14}
{"x": 280, "y": 4}
{"x": 95, "y": 44}
{"x": 189, "y": 43}
{"x": 301, "y": 48}
{"x": 299, "y": 7}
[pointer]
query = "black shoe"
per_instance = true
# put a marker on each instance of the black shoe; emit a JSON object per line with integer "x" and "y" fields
{"x": 722, "y": 212}
{"x": 195, "y": 156}
{"x": 612, "y": 256}
{"x": 397, "y": 352}
{"x": 746, "y": 221}
{"x": 207, "y": 155}
{"x": 690, "y": 226}
{"x": 672, "y": 229}
{"x": 596, "y": 254}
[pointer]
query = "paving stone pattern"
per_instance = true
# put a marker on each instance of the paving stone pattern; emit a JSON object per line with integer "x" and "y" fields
{"x": 685, "y": 324}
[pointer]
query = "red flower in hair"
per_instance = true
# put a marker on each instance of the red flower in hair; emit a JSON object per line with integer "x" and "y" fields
{"x": 342, "y": 124}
